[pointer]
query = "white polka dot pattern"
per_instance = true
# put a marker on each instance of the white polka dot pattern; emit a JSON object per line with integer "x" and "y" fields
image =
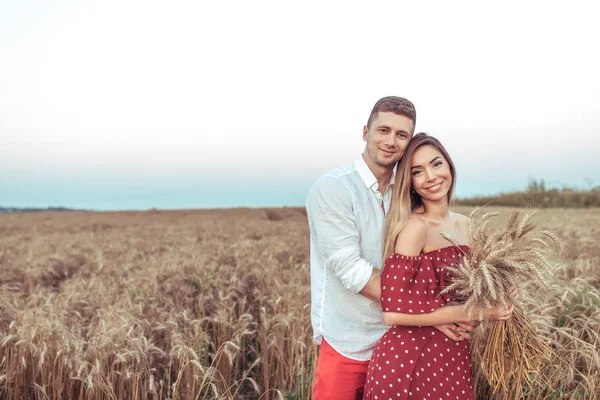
{"x": 418, "y": 362}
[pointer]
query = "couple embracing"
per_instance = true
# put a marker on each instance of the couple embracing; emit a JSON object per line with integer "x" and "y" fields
{"x": 378, "y": 264}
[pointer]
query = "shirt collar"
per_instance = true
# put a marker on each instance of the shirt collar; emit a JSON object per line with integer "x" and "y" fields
{"x": 367, "y": 175}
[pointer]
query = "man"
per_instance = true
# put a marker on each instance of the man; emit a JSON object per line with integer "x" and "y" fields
{"x": 346, "y": 214}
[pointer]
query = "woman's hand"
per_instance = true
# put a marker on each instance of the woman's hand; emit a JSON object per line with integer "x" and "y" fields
{"x": 498, "y": 312}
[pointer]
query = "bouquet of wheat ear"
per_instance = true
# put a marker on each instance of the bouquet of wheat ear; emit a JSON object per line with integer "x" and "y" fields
{"x": 511, "y": 352}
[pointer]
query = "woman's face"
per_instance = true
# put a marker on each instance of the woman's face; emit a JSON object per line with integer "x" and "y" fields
{"x": 430, "y": 172}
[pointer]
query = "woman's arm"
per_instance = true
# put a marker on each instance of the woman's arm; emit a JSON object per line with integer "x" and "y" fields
{"x": 441, "y": 315}
{"x": 446, "y": 315}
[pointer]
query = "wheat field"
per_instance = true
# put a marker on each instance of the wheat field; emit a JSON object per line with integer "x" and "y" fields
{"x": 214, "y": 304}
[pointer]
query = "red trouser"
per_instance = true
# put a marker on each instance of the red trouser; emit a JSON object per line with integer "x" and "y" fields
{"x": 338, "y": 377}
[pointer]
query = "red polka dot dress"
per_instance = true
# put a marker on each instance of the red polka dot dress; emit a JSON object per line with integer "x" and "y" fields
{"x": 413, "y": 362}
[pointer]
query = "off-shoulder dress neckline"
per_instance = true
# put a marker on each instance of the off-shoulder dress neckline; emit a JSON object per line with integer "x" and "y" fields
{"x": 460, "y": 246}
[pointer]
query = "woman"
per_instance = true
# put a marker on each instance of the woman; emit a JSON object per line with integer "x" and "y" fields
{"x": 424, "y": 354}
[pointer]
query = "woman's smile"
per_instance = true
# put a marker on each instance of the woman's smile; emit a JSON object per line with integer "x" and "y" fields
{"x": 435, "y": 187}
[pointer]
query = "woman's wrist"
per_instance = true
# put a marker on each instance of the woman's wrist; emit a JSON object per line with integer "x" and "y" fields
{"x": 460, "y": 314}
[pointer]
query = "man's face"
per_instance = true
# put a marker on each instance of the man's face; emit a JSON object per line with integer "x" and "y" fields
{"x": 387, "y": 138}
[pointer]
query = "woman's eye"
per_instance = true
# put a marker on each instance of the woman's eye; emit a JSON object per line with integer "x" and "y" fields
{"x": 437, "y": 164}
{"x": 415, "y": 173}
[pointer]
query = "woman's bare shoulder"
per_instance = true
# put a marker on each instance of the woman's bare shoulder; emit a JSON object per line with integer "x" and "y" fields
{"x": 413, "y": 237}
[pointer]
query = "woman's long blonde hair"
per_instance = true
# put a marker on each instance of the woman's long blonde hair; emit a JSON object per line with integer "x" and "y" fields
{"x": 404, "y": 199}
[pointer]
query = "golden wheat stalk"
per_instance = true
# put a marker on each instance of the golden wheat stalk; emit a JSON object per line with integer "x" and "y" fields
{"x": 513, "y": 352}
{"x": 508, "y": 362}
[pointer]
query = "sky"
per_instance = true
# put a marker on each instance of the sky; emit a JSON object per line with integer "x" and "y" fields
{"x": 202, "y": 104}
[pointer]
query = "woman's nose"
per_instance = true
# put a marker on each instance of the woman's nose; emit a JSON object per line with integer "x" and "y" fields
{"x": 430, "y": 175}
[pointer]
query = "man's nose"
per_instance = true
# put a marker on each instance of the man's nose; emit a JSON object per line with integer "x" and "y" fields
{"x": 390, "y": 141}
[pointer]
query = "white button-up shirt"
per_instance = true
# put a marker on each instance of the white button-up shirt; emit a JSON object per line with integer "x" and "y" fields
{"x": 346, "y": 222}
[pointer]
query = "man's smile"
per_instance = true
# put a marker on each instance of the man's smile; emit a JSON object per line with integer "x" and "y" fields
{"x": 388, "y": 152}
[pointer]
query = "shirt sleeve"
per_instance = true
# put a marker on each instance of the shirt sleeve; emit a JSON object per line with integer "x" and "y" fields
{"x": 332, "y": 224}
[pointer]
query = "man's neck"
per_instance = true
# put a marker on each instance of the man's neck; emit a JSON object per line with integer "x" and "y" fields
{"x": 382, "y": 174}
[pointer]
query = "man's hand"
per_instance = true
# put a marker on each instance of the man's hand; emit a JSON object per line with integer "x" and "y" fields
{"x": 456, "y": 332}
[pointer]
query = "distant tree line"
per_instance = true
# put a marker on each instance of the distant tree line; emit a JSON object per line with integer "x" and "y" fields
{"x": 33, "y": 209}
{"x": 539, "y": 195}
